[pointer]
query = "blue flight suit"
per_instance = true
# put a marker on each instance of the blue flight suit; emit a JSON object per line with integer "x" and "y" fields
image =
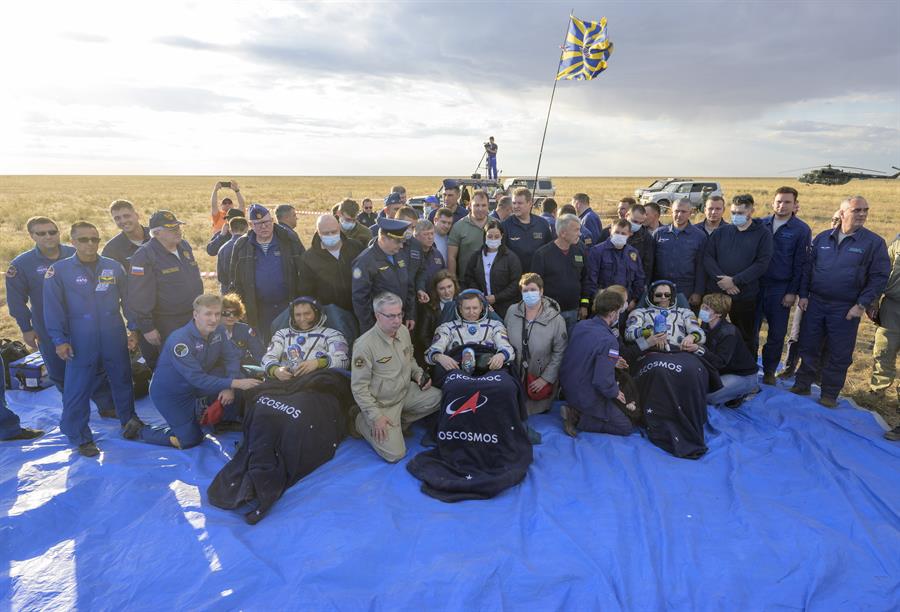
{"x": 374, "y": 273}
{"x": 24, "y": 284}
{"x": 272, "y": 290}
{"x": 121, "y": 248}
{"x": 791, "y": 248}
{"x": 588, "y": 378}
{"x": 607, "y": 265}
{"x": 679, "y": 258}
{"x": 836, "y": 277}
{"x": 161, "y": 291}
{"x": 524, "y": 240}
{"x": 82, "y": 307}
{"x": 551, "y": 221}
{"x": 218, "y": 240}
{"x": 191, "y": 367}
{"x": 433, "y": 263}
{"x": 591, "y": 222}
{"x": 461, "y": 213}
{"x": 250, "y": 344}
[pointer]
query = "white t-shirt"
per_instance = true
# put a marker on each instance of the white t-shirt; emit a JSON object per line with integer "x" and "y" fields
{"x": 488, "y": 260}
{"x": 776, "y": 223}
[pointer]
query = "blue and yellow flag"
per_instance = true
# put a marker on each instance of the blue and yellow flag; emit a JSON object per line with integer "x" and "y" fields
{"x": 586, "y": 50}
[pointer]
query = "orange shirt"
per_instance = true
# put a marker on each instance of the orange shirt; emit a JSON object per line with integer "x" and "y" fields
{"x": 218, "y": 220}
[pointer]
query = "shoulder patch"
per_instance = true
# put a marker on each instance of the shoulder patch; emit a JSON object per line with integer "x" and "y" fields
{"x": 359, "y": 362}
{"x": 633, "y": 255}
{"x": 384, "y": 359}
{"x": 252, "y": 332}
{"x": 357, "y": 273}
{"x": 181, "y": 350}
{"x": 11, "y": 271}
{"x": 49, "y": 273}
{"x": 137, "y": 271}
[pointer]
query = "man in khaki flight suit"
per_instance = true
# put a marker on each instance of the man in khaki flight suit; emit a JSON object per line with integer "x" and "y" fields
{"x": 887, "y": 335}
{"x": 385, "y": 381}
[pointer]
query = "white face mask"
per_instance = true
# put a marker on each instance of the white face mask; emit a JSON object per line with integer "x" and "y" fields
{"x": 493, "y": 244}
{"x": 347, "y": 225}
{"x": 618, "y": 240}
{"x": 329, "y": 242}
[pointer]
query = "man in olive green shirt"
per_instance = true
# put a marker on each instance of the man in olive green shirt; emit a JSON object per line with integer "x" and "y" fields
{"x": 887, "y": 334}
{"x": 467, "y": 235}
{"x": 390, "y": 388}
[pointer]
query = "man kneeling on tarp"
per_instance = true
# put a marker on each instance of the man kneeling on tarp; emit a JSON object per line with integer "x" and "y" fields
{"x": 196, "y": 362}
{"x": 595, "y": 402}
{"x": 482, "y": 443}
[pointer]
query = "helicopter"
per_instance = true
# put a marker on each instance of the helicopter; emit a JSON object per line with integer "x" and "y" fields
{"x": 840, "y": 175}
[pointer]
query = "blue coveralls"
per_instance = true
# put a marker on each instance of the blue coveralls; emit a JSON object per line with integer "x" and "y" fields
{"x": 374, "y": 273}
{"x": 223, "y": 264}
{"x": 271, "y": 289}
{"x": 433, "y": 263}
{"x": 218, "y": 240}
{"x": 492, "y": 161}
{"x": 24, "y": 284}
{"x": 249, "y": 343}
{"x": 191, "y": 367}
{"x": 524, "y": 240}
{"x": 121, "y": 248}
{"x": 835, "y": 278}
{"x": 82, "y": 307}
{"x": 588, "y": 378}
{"x": 9, "y": 420}
{"x": 679, "y": 258}
{"x": 161, "y": 291}
{"x": 591, "y": 222}
{"x": 791, "y": 248}
{"x": 607, "y": 265}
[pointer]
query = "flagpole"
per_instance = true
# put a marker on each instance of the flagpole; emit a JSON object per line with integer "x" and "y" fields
{"x": 537, "y": 170}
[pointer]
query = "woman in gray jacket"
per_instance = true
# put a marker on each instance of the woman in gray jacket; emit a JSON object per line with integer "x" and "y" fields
{"x": 538, "y": 333}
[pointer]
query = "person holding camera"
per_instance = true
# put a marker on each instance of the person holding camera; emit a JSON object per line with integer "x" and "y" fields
{"x": 490, "y": 149}
{"x": 218, "y": 210}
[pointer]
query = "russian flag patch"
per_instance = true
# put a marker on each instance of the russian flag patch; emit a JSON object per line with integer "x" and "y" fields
{"x": 137, "y": 271}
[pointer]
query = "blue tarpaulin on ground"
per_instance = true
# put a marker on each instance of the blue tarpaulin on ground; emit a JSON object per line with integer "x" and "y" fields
{"x": 794, "y": 506}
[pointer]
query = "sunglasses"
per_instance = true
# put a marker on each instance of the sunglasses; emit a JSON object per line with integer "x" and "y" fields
{"x": 86, "y": 239}
{"x": 46, "y": 233}
{"x": 229, "y": 313}
{"x": 662, "y": 295}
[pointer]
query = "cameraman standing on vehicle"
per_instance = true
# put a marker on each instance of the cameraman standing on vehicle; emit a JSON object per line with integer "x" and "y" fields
{"x": 490, "y": 148}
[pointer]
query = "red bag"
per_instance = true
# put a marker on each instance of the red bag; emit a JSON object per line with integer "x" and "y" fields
{"x": 212, "y": 414}
{"x": 543, "y": 394}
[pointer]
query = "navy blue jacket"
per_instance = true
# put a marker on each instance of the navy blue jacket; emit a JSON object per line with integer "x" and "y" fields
{"x": 161, "y": 284}
{"x": 726, "y": 351}
{"x": 551, "y": 221}
{"x": 373, "y": 273}
{"x": 328, "y": 279}
{"x": 790, "y": 251}
{"x": 223, "y": 263}
{"x": 564, "y": 275}
{"x": 191, "y": 365}
{"x": 250, "y": 344}
{"x": 121, "y": 248}
{"x": 218, "y": 240}
{"x": 25, "y": 285}
{"x": 607, "y": 265}
{"x": 679, "y": 258}
{"x": 461, "y": 212}
{"x": 433, "y": 262}
{"x": 82, "y": 307}
{"x": 525, "y": 240}
{"x": 591, "y": 222}
{"x": 367, "y": 219}
{"x": 854, "y": 272}
{"x": 588, "y": 375}
{"x": 742, "y": 255}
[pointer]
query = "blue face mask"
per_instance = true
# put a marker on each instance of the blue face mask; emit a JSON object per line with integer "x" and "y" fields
{"x": 738, "y": 219}
{"x": 330, "y": 241}
{"x": 635, "y": 226}
{"x": 704, "y": 315}
{"x": 348, "y": 225}
{"x": 531, "y": 298}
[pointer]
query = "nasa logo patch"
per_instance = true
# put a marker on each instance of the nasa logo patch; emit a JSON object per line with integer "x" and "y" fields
{"x": 181, "y": 349}
{"x": 357, "y": 273}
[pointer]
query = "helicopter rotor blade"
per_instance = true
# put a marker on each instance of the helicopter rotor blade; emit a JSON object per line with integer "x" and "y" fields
{"x": 799, "y": 169}
{"x": 863, "y": 169}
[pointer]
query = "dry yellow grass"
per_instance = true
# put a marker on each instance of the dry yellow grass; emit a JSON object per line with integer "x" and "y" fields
{"x": 70, "y": 198}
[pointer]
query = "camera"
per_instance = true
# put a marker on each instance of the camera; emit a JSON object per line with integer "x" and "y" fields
{"x": 225, "y": 184}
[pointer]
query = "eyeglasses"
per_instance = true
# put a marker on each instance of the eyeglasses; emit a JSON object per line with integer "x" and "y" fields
{"x": 390, "y": 317}
{"x": 86, "y": 239}
{"x": 46, "y": 233}
{"x": 261, "y": 223}
{"x": 229, "y": 313}
{"x": 662, "y": 295}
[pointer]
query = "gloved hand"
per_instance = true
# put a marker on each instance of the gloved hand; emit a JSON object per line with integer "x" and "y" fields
{"x": 212, "y": 414}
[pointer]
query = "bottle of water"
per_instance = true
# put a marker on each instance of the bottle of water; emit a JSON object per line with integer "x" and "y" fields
{"x": 659, "y": 323}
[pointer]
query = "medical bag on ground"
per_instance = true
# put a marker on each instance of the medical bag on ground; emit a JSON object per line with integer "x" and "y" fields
{"x": 11, "y": 350}
{"x": 29, "y": 373}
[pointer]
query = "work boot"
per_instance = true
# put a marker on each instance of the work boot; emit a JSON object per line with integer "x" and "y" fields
{"x": 769, "y": 379}
{"x": 893, "y": 435}
{"x": 88, "y": 449}
{"x": 828, "y": 401}
{"x": 788, "y": 371}
{"x": 799, "y": 389}
{"x": 570, "y": 420}
{"x": 132, "y": 428}
{"x": 25, "y": 433}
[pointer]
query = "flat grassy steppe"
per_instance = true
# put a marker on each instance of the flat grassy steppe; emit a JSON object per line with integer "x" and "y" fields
{"x": 71, "y": 198}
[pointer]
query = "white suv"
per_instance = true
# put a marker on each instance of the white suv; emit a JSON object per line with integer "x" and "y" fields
{"x": 545, "y": 186}
{"x": 695, "y": 191}
{"x": 657, "y": 185}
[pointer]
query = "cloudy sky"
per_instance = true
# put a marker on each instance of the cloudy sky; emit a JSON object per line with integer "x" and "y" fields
{"x": 413, "y": 88}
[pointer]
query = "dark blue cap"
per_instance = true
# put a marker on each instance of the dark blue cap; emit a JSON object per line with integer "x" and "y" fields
{"x": 432, "y": 199}
{"x": 258, "y": 212}
{"x": 393, "y": 227}
{"x": 164, "y": 218}
{"x": 394, "y": 198}
{"x": 451, "y": 184}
